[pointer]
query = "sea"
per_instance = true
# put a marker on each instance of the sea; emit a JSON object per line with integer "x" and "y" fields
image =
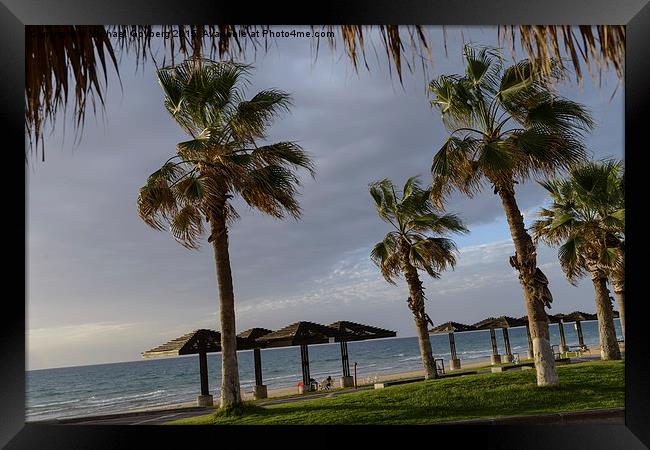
{"x": 118, "y": 387}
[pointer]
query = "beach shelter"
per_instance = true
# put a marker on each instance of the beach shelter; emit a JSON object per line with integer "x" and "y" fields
{"x": 302, "y": 334}
{"x": 451, "y": 328}
{"x": 197, "y": 342}
{"x": 251, "y": 335}
{"x": 355, "y": 332}
{"x": 503, "y": 322}
{"x": 529, "y": 354}
{"x": 559, "y": 320}
{"x": 577, "y": 317}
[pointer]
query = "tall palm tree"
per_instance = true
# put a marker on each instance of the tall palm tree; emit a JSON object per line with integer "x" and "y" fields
{"x": 617, "y": 273}
{"x": 416, "y": 243}
{"x": 506, "y": 125}
{"x": 221, "y": 159}
{"x": 584, "y": 218}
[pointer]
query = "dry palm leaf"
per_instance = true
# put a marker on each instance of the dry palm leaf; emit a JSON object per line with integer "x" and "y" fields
{"x": 64, "y": 59}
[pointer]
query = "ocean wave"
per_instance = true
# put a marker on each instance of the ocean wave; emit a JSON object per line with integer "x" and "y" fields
{"x": 127, "y": 398}
{"x": 411, "y": 358}
{"x": 45, "y": 405}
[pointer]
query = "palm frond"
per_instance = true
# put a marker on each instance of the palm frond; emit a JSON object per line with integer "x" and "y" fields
{"x": 187, "y": 226}
{"x": 55, "y": 54}
{"x": 385, "y": 256}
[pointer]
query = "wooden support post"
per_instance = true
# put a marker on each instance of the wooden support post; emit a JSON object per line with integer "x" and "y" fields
{"x": 452, "y": 346}
{"x": 581, "y": 338}
{"x": 257, "y": 356}
{"x": 506, "y": 343}
{"x": 304, "y": 357}
{"x": 530, "y": 342}
{"x": 495, "y": 358}
{"x": 454, "y": 362}
{"x": 203, "y": 372}
{"x": 345, "y": 362}
{"x": 563, "y": 346}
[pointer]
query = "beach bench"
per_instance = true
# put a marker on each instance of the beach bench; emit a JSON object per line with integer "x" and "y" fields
{"x": 505, "y": 368}
{"x": 440, "y": 365}
{"x": 526, "y": 365}
{"x": 385, "y": 384}
{"x": 578, "y": 350}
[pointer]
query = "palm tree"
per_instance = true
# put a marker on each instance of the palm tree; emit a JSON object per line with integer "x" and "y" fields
{"x": 584, "y": 218}
{"x": 221, "y": 159}
{"x": 506, "y": 125}
{"x": 617, "y": 273}
{"x": 411, "y": 247}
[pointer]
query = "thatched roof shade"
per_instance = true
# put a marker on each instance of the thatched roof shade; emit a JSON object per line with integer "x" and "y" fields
{"x": 555, "y": 318}
{"x": 451, "y": 327}
{"x": 499, "y": 322}
{"x": 300, "y": 333}
{"x": 192, "y": 343}
{"x": 254, "y": 333}
{"x": 361, "y": 332}
{"x": 579, "y": 316}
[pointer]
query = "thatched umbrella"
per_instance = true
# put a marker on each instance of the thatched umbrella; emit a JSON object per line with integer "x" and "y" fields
{"x": 577, "y": 317}
{"x": 355, "y": 332}
{"x": 529, "y": 353}
{"x": 451, "y": 328}
{"x": 199, "y": 342}
{"x": 251, "y": 335}
{"x": 503, "y": 322}
{"x": 559, "y": 319}
{"x": 303, "y": 334}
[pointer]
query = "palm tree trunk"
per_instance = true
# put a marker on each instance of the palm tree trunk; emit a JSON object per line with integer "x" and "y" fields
{"x": 416, "y": 305}
{"x": 534, "y": 285}
{"x": 605, "y": 312}
{"x": 618, "y": 282}
{"x": 230, "y": 393}
{"x": 619, "y": 291}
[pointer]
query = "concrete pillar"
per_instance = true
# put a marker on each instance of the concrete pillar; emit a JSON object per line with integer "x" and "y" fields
{"x": 204, "y": 400}
{"x": 454, "y": 364}
{"x": 346, "y": 382}
{"x": 259, "y": 392}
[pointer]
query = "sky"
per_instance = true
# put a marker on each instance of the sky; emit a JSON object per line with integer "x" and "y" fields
{"x": 104, "y": 287}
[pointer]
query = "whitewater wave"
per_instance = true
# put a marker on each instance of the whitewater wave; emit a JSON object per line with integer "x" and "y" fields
{"x": 45, "y": 405}
{"x": 122, "y": 399}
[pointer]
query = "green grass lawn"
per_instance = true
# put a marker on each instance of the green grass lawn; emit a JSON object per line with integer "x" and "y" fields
{"x": 583, "y": 386}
